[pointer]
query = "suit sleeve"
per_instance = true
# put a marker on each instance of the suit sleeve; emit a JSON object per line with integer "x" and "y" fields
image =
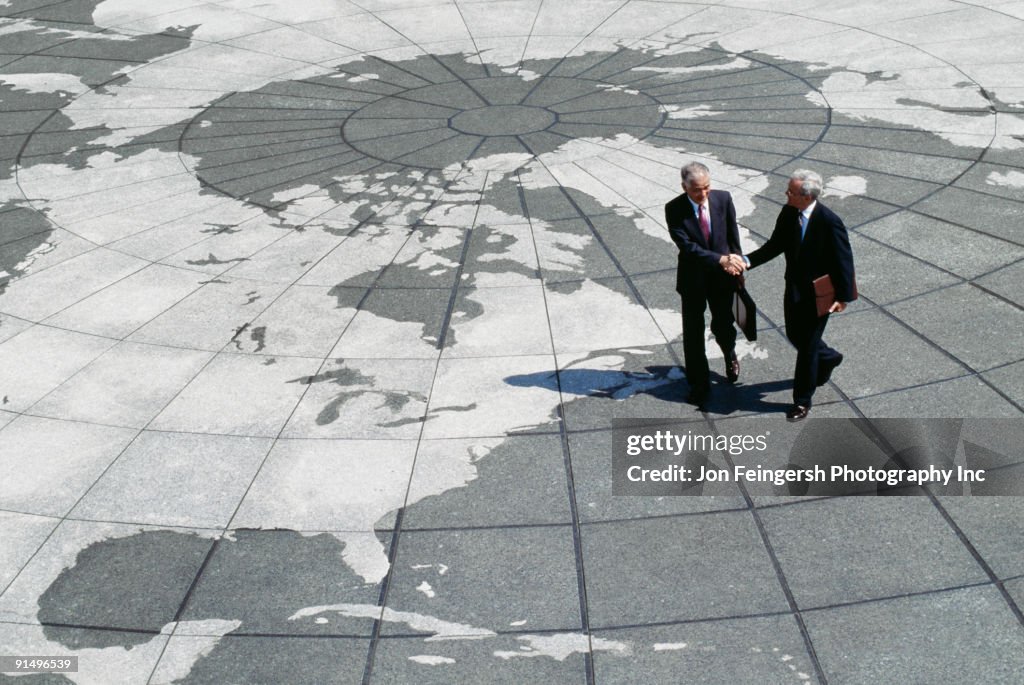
{"x": 674, "y": 221}
{"x": 842, "y": 269}
{"x": 732, "y": 229}
{"x": 775, "y": 246}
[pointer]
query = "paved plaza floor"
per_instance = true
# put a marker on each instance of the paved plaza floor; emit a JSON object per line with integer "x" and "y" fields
{"x": 315, "y": 316}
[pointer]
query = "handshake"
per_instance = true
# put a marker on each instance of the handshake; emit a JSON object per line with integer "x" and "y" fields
{"x": 733, "y": 264}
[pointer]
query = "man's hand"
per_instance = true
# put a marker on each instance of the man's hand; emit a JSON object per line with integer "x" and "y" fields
{"x": 733, "y": 264}
{"x": 837, "y": 307}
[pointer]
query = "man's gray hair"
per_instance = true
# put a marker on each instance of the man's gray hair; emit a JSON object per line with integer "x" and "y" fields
{"x": 810, "y": 182}
{"x": 694, "y": 169}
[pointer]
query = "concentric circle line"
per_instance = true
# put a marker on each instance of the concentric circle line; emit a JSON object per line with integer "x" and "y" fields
{"x": 967, "y": 76}
{"x": 406, "y": 153}
{"x": 694, "y": 79}
{"x": 609, "y": 77}
{"x": 807, "y": 637}
{"x": 393, "y": 547}
{"x": 600, "y": 109}
{"x": 107, "y": 189}
{"x": 270, "y": 108}
{"x": 573, "y": 98}
{"x": 561, "y": 61}
{"x": 366, "y": 221}
{"x": 427, "y": 53}
{"x": 38, "y": 7}
{"x": 129, "y": 85}
{"x": 344, "y": 88}
{"x": 780, "y": 574}
{"x": 48, "y": 47}
{"x": 950, "y": 355}
{"x": 140, "y": 432}
{"x": 215, "y": 186}
{"x": 440, "y": 142}
{"x": 638, "y": 298}
{"x": 643, "y": 81}
{"x": 960, "y": 280}
{"x": 390, "y": 65}
{"x": 398, "y": 67}
{"x": 759, "y": 136}
{"x": 262, "y": 189}
{"x": 357, "y": 102}
{"x": 581, "y": 584}
{"x": 523, "y": 631}
{"x": 627, "y": 201}
{"x": 870, "y": 429}
{"x": 599, "y": 162}
{"x": 303, "y": 140}
{"x": 399, "y": 134}
{"x": 150, "y": 263}
{"x": 725, "y": 89}
{"x": 965, "y": 227}
{"x": 413, "y": 101}
{"x": 937, "y": 381}
{"x": 109, "y": 246}
{"x": 259, "y": 172}
{"x": 299, "y": 26}
{"x": 994, "y": 10}
{"x": 628, "y": 44}
{"x": 384, "y": 118}
{"x": 837, "y": 143}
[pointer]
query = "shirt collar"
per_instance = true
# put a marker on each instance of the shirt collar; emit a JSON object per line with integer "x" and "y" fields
{"x": 808, "y": 210}
{"x": 707, "y": 206}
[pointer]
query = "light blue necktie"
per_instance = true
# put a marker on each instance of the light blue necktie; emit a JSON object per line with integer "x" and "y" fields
{"x": 803, "y": 226}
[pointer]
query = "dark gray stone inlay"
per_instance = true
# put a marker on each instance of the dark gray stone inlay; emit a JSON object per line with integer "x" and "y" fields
{"x": 502, "y": 120}
{"x": 966, "y": 636}
{"x": 711, "y": 566}
{"x": 296, "y": 661}
{"x": 134, "y": 583}
{"x": 422, "y": 114}
{"x": 260, "y": 578}
{"x": 264, "y": 577}
{"x": 452, "y": 121}
{"x": 34, "y": 131}
{"x": 388, "y": 121}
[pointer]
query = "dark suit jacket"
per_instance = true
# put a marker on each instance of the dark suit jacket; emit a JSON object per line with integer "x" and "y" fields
{"x": 825, "y": 250}
{"x": 698, "y": 261}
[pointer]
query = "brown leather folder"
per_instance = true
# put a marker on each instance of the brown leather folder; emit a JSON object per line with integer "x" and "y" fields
{"x": 825, "y": 293}
{"x": 744, "y": 310}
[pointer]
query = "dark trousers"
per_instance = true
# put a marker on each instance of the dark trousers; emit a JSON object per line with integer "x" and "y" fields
{"x": 804, "y": 329}
{"x": 717, "y": 297}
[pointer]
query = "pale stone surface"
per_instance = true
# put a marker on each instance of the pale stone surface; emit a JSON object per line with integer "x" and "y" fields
{"x": 315, "y": 317}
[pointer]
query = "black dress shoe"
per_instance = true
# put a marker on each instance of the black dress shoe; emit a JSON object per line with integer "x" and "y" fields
{"x": 797, "y": 412}
{"x": 732, "y": 368}
{"x": 825, "y": 371}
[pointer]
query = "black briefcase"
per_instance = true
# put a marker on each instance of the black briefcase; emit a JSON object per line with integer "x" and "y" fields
{"x": 744, "y": 310}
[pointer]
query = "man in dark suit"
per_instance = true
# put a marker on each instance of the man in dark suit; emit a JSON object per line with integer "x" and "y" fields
{"x": 702, "y": 223}
{"x": 815, "y": 243}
